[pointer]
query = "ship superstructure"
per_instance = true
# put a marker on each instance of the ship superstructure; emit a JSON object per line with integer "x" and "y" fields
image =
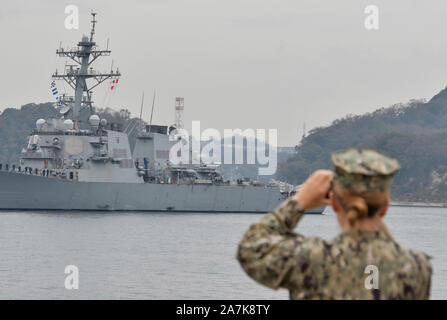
{"x": 70, "y": 165}
{"x": 60, "y": 148}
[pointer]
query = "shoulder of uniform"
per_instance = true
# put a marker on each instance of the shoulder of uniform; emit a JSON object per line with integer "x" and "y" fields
{"x": 420, "y": 256}
{"x": 422, "y": 260}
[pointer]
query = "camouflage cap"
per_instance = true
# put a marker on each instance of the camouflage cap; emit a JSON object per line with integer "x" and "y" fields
{"x": 363, "y": 170}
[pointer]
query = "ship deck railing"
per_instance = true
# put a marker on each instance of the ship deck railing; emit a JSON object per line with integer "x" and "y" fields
{"x": 70, "y": 175}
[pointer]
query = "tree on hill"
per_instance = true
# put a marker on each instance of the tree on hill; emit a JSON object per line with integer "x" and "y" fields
{"x": 414, "y": 133}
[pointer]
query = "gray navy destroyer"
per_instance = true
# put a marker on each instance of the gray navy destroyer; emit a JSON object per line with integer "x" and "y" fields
{"x": 66, "y": 166}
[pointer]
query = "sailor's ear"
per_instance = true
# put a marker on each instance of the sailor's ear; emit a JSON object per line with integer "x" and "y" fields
{"x": 334, "y": 202}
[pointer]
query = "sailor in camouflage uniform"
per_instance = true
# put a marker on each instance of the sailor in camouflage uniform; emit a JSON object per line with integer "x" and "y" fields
{"x": 313, "y": 268}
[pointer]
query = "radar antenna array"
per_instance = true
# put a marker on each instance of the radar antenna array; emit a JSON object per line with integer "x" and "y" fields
{"x": 78, "y": 75}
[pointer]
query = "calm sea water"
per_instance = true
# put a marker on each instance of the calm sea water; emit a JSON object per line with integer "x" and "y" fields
{"x": 167, "y": 256}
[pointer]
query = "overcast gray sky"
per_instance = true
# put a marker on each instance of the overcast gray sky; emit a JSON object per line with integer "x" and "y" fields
{"x": 237, "y": 63}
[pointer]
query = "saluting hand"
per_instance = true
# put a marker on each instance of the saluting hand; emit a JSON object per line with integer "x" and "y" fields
{"x": 313, "y": 192}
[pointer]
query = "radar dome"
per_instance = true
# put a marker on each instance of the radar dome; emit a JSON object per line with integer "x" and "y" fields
{"x": 94, "y": 120}
{"x": 68, "y": 124}
{"x": 39, "y": 124}
{"x": 103, "y": 123}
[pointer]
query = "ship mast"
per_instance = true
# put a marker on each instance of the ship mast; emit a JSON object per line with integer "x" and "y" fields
{"x": 77, "y": 75}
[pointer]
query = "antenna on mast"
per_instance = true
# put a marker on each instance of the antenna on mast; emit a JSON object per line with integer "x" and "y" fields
{"x": 81, "y": 76}
{"x": 141, "y": 109}
{"x": 152, "y": 112}
{"x": 93, "y": 25}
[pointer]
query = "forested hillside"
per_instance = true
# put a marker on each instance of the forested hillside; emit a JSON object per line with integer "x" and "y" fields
{"x": 414, "y": 133}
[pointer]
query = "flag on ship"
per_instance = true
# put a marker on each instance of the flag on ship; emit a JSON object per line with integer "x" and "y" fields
{"x": 55, "y": 92}
{"x": 113, "y": 84}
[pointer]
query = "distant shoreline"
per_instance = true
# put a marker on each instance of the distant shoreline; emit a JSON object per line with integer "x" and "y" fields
{"x": 417, "y": 204}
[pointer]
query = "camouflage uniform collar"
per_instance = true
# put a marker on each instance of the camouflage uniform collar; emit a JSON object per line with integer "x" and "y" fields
{"x": 383, "y": 233}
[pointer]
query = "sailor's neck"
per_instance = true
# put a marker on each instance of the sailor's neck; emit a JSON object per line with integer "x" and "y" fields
{"x": 371, "y": 225}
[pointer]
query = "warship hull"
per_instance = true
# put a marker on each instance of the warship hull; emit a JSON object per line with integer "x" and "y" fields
{"x": 20, "y": 191}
